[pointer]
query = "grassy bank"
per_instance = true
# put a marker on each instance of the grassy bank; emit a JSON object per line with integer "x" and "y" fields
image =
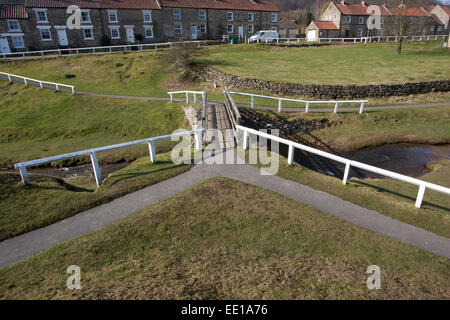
{"x": 246, "y": 244}
{"x": 359, "y": 64}
{"x": 35, "y": 123}
{"x": 48, "y": 200}
{"x": 353, "y": 131}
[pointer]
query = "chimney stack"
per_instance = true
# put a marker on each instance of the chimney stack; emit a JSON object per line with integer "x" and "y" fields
{"x": 363, "y": 3}
{"x": 343, "y": 2}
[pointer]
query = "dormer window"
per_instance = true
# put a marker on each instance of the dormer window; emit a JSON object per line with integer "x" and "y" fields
{"x": 85, "y": 16}
{"x": 202, "y": 15}
{"x": 147, "y": 16}
{"x": 361, "y": 20}
{"x": 251, "y": 17}
{"x": 274, "y": 17}
{"x": 112, "y": 14}
{"x": 348, "y": 19}
{"x": 176, "y": 14}
{"x": 229, "y": 16}
{"x": 13, "y": 26}
{"x": 41, "y": 15}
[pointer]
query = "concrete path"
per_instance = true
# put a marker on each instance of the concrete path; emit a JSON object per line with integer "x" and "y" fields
{"x": 24, "y": 246}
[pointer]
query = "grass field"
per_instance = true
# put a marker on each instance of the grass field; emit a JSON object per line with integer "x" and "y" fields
{"x": 35, "y": 123}
{"x": 357, "y": 64}
{"x": 48, "y": 200}
{"x": 246, "y": 244}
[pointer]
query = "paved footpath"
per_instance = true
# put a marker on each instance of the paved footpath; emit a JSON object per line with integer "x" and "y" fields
{"x": 23, "y": 246}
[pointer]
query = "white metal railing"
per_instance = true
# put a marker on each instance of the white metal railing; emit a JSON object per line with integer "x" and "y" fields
{"x": 22, "y": 166}
{"x": 27, "y": 81}
{"x": 187, "y": 93}
{"x": 358, "y": 39}
{"x": 306, "y": 102}
{"x": 348, "y": 163}
{"x": 104, "y": 49}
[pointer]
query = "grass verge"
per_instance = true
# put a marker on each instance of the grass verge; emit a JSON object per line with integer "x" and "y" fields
{"x": 48, "y": 200}
{"x": 248, "y": 243}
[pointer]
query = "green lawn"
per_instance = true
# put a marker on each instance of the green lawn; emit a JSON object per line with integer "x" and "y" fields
{"x": 248, "y": 243}
{"x": 359, "y": 64}
{"x": 36, "y": 123}
{"x": 48, "y": 200}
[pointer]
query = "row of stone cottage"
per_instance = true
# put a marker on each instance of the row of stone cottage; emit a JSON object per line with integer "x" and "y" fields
{"x": 43, "y": 24}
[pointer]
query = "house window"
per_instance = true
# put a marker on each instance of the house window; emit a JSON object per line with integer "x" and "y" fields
{"x": 251, "y": 17}
{"x": 112, "y": 14}
{"x": 251, "y": 28}
{"x": 13, "y": 25}
{"x": 18, "y": 42}
{"x": 202, "y": 15}
{"x": 45, "y": 34}
{"x": 88, "y": 33}
{"x": 178, "y": 28}
{"x": 274, "y": 17}
{"x": 361, "y": 20}
{"x": 85, "y": 16}
{"x": 115, "y": 33}
{"x": 176, "y": 15}
{"x": 230, "y": 28}
{"x": 360, "y": 32}
{"x": 202, "y": 28}
{"x": 41, "y": 15}
{"x": 147, "y": 16}
{"x": 229, "y": 16}
{"x": 348, "y": 19}
{"x": 148, "y": 31}
{"x": 439, "y": 28}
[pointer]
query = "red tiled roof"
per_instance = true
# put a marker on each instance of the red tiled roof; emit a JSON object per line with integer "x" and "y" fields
{"x": 94, "y": 4}
{"x": 428, "y": 7}
{"x": 358, "y": 9}
{"x": 12, "y": 11}
{"x": 325, "y": 25}
{"x": 410, "y": 12}
{"x": 256, "y": 5}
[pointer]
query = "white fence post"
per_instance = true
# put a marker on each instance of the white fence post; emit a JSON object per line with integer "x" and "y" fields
{"x": 253, "y": 102}
{"x": 57, "y": 87}
{"x": 307, "y": 107}
{"x": 96, "y": 167}
{"x": 291, "y": 155}
{"x": 195, "y": 97}
{"x": 336, "y": 107}
{"x": 171, "y": 97}
{"x": 279, "y": 105}
{"x": 151, "y": 149}
{"x": 361, "y": 108}
{"x": 245, "y": 142}
{"x": 198, "y": 141}
{"x": 187, "y": 97}
{"x": 24, "y": 175}
{"x": 347, "y": 170}
{"x": 419, "y": 198}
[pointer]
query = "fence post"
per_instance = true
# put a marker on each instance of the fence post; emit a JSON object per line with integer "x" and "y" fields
{"x": 198, "y": 141}
{"x": 361, "y": 109}
{"x": 57, "y": 87}
{"x": 40, "y": 84}
{"x": 245, "y": 142}
{"x": 307, "y": 107}
{"x": 171, "y": 97}
{"x": 73, "y": 90}
{"x": 347, "y": 170}
{"x": 195, "y": 97}
{"x": 187, "y": 97}
{"x": 253, "y": 102}
{"x": 9, "y": 77}
{"x": 291, "y": 155}
{"x": 279, "y": 105}
{"x": 420, "y": 196}
{"x": 336, "y": 107}
{"x": 24, "y": 175}
{"x": 151, "y": 149}
{"x": 96, "y": 167}
{"x": 25, "y": 81}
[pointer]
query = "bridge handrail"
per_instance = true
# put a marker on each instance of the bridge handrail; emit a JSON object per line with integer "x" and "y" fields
{"x": 41, "y": 82}
{"x": 307, "y": 102}
{"x": 348, "y": 163}
{"x": 187, "y": 92}
{"x": 22, "y": 166}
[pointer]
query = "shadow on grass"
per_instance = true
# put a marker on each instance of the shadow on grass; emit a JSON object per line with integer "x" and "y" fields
{"x": 380, "y": 189}
{"x": 130, "y": 175}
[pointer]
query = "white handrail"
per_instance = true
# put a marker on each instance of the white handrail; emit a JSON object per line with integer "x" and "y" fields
{"x": 41, "y": 83}
{"x": 348, "y": 163}
{"x": 95, "y": 50}
{"x": 187, "y": 92}
{"x": 22, "y": 166}
{"x": 306, "y": 102}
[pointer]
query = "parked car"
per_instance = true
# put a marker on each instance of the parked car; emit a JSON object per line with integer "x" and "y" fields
{"x": 264, "y": 36}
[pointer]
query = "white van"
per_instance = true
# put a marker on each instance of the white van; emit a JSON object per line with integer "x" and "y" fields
{"x": 264, "y": 36}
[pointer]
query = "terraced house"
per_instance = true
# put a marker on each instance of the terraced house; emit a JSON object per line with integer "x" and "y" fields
{"x": 346, "y": 20}
{"x": 42, "y": 24}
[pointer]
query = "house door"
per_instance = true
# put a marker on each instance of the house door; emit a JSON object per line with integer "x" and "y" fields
{"x": 347, "y": 33}
{"x": 194, "y": 32}
{"x": 311, "y": 35}
{"x": 130, "y": 35}
{"x": 241, "y": 31}
{"x": 4, "y": 46}
{"x": 62, "y": 36}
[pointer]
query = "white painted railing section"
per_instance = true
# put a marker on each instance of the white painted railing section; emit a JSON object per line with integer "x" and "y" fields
{"x": 348, "y": 163}
{"x": 306, "y": 102}
{"x": 187, "y": 94}
{"x": 22, "y": 166}
{"x": 27, "y": 81}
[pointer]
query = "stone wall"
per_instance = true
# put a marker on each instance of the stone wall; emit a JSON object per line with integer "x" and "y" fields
{"x": 324, "y": 91}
